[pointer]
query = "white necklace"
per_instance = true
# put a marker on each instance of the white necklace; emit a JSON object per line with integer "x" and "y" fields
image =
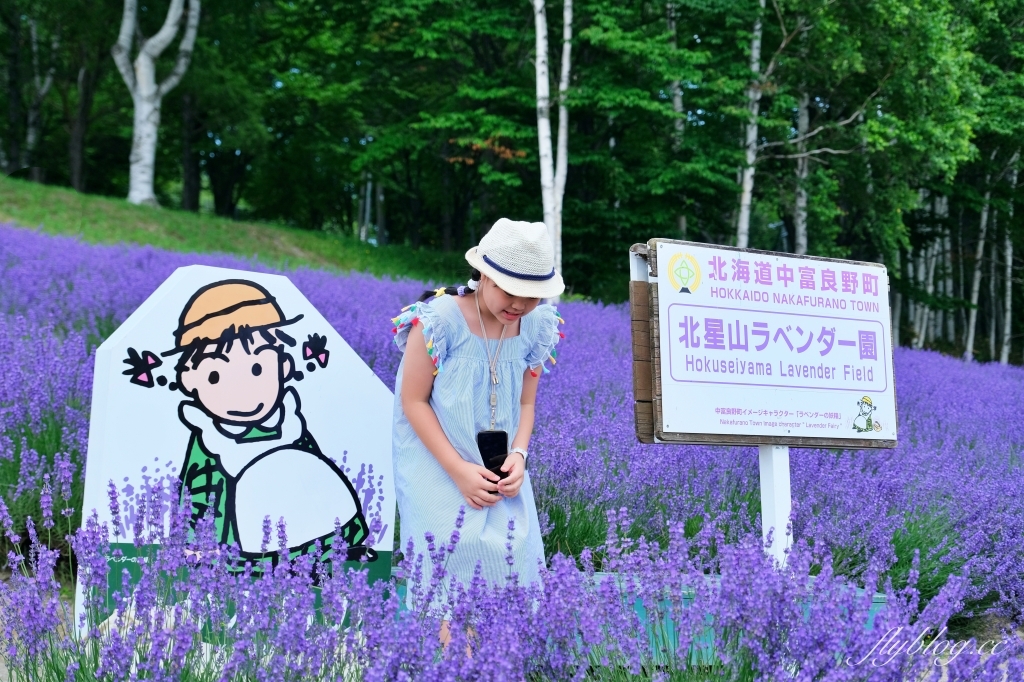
{"x": 491, "y": 362}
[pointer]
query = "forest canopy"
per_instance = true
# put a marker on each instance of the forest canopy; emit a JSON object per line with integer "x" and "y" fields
{"x": 881, "y": 130}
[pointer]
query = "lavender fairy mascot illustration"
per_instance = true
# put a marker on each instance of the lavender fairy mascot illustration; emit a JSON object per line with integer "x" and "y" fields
{"x": 250, "y": 451}
{"x": 862, "y": 423}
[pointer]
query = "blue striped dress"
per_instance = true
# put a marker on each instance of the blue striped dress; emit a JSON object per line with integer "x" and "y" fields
{"x": 428, "y": 499}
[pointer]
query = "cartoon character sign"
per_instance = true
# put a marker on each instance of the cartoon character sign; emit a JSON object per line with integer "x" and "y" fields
{"x": 862, "y": 423}
{"x": 232, "y": 384}
{"x": 247, "y": 425}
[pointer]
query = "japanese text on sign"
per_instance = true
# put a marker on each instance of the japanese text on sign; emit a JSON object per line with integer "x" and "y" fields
{"x": 761, "y": 344}
{"x": 758, "y": 348}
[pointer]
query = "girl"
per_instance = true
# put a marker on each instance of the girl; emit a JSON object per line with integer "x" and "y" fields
{"x": 472, "y": 362}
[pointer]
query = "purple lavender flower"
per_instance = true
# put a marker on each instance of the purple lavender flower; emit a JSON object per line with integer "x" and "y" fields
{"x": 46, "y": 502}
{"x": 8, "y": 523}
{"x": 657, "y": 520}
{"x": 64, "y": 472}
{"x": 115, "y": 508}
{"x": 267, "y": 529}
{"x": 282, "y": 538}
{"x": 510, "y": 558}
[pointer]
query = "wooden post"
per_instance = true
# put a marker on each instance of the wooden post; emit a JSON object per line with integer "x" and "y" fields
{"x": 640, "y": 320}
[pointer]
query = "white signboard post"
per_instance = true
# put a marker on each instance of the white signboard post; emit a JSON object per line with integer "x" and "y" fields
{"x": 232, "y": 387}
{"x": 754, "y": 347}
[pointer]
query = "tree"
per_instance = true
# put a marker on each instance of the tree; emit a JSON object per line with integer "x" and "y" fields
{"x": 222, "y": 112}
{"x": 10, "y": 15}
{"x": 86, "y": 48}
{"x": 452, "y": 130}
{"x": 986, "y": 186}
{"x": 750, "y": 140}
{"x": 552, "y": 170}
{"x": 147, "y": 94}
{"x": 41, "y": 85}
{"x": 873, "y": 136}
{"x": 1004, "y": 351}
{"x": 308, "y": 77}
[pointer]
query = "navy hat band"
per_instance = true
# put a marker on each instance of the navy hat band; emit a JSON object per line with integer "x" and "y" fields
{"x": 517, "y": 275}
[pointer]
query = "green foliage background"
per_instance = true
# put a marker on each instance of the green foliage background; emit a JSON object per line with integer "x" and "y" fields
{"x": 290, "y": 106}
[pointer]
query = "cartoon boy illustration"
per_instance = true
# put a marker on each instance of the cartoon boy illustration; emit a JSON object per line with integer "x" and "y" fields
{"x": 862, "y": 422}
{"x": 250, "y": 447}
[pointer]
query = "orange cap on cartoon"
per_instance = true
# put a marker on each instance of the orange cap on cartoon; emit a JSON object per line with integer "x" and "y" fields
{"x": 224, "y": 305}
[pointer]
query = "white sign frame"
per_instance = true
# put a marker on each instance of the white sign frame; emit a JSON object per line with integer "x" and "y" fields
{"x": 735, "y": 299}
{"x": 333, "y": 415}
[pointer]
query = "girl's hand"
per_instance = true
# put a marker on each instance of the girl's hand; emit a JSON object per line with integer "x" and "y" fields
{"x": 476, "y": 484}
{"x": 515, "y": 466}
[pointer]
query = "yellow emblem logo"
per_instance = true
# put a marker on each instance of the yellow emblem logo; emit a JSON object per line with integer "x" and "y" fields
{"x": 683, "y": 273}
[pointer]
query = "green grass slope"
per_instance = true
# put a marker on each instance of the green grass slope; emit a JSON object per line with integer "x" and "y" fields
{"x": 56, "y": 210}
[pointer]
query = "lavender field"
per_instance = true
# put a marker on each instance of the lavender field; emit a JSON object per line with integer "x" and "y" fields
{"x": 937, "y": 523}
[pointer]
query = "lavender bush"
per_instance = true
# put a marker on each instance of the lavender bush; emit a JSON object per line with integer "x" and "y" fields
{"x": 939, "y": 519}
{"x": 657, "y": 615}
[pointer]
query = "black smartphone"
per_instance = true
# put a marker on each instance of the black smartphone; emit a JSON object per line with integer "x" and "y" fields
{"x": 493, "y": 446}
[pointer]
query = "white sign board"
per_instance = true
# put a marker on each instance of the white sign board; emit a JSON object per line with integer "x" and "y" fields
{"x": 231, "y": 384}
{"x": 773, "y": 347}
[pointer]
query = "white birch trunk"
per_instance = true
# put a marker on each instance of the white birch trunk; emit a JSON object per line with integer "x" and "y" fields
{"x": 927, "y": 328}
{"x": 562, "y": 153}
{"x": 911, "y": 303}
{"x": 938, "y": 324}
{"x": 382, "y": 217}
{"x": 993, "y": 305}
{"x": 945, "y": 317}
{"x": 676, "y": 87}
{"x": 357, "y": 226}
{"x": 544, "y": 150}
{"x": 41, "y": 88}
{"x": 920, "y": 308}
{"x": 142, "y": 168}
{"x": 934, "y": 314}
{"x": 960, "y": 284}
{"x": 364, "y": 222}
{"x": 897, "y": 313}
{"x": 1004, "y": 351}
{"x": 950, "y": 331}
{"x": 802, "y": 170}
{"x": 750, "y": 143}
{"x": 147, "y": 94}
{"x": 979, "y": 251}
{"x": 553, "y": 164}
{"x": 936, "y": 319}
{"x": 679, "y": 124}
{"x": 677, "y": 108}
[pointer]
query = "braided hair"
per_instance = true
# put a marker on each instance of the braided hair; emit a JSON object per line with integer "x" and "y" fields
{"x": 468, "y": 287}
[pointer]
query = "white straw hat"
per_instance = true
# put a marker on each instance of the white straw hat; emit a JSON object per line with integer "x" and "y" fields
{"x": 519, "y": 258}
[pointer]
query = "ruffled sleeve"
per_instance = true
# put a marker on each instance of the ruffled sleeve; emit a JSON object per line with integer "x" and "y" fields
{"x": 433, "y": 331}
{"x": 546, "y": 336}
